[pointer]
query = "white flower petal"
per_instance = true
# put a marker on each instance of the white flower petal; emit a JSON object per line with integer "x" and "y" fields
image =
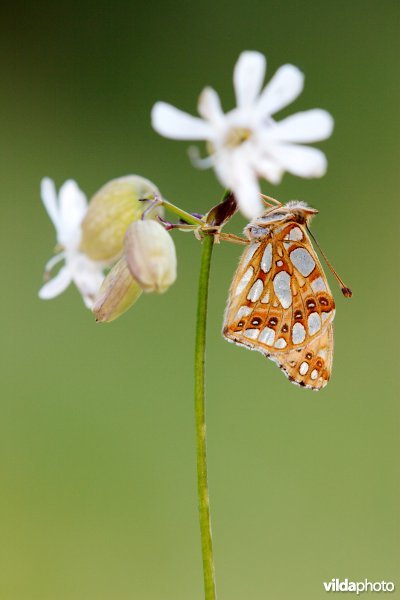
{"x": 89, "y": 283}
{"x": 73, "y": 207}
{"x": 247, "y": 142}
{"x": 86, "y": 274}
{"x": 53, "y": 261}
{"x": 88, "y": 300}
{"x": 248, "y": 199}
{"x": 300, "y": 160}
{"x": 248, "y": 77}
{"x": 174, "y": 123}
{"x": 308, "y": 126}
{"x": 247, "y": 192}
{"x": 57, "y": 285}
{"x": 269, "y": 170}
{"x": 49, "y": 199}
{"x": 197, "y": 160}
{"x": 284, "y": 87}
{"x": 209, "y": 106}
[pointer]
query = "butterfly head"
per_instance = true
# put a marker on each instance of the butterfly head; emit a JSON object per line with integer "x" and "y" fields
{"x": 295, "y": 210}
{"x": 301, "y": 212}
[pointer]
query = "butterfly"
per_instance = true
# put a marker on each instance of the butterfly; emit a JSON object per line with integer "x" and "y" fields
{"x": 280, "y": 303}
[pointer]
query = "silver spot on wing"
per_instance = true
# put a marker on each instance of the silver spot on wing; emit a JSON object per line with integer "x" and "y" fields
{"x": 252, "y": 333}
{"x": 303, "y": 368}
{"x": 243, "y": 311}
{"x": 280, "y": 343}
{"x": 266, "y": 260}
{"x": 255, "y": 291}
{"x": 298, "y": 333}
{"x": 282, "y": 288}
{"x": 303, "y": 261}
{"x": 250, "y": 253}
{"x": 243, "y": 283}
{"x": 267, "y": 336}
{"x": 318, "y": 285}
{"x": 314, "y": 323}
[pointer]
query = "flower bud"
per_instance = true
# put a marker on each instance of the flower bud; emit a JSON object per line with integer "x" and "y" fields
{"x": 222, "y": 212}
{"x": 110, "y": 212}
{"x": 150, "y": 254}
{"x": 117, "y": 293}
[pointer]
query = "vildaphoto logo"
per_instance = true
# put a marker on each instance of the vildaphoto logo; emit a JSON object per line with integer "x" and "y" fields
{"x": 336, "y": 585}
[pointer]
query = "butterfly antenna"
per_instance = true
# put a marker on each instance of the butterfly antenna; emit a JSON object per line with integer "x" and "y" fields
{"x": 346, "y": 291}
{"x": 270, "y": 201}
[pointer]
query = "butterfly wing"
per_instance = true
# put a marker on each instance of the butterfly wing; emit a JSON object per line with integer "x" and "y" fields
{"x": 310, "y": 366}
{"x": 279, "y": 300}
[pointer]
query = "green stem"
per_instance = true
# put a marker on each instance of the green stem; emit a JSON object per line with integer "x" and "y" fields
{"x": 182, "y": 213}
{"x": 202, "y": 483}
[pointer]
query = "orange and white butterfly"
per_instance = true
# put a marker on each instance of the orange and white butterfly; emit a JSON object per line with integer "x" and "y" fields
{"x": 280, "y": 303}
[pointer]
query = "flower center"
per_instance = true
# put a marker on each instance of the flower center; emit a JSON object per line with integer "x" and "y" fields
{"x": 237, "y": 136}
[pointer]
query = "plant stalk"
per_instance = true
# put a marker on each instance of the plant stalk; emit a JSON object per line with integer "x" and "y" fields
{"x": 182, "y": 213}
{"x": 202, "y": 479}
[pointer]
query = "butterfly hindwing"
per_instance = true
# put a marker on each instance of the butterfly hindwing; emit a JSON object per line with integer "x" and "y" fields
{"x": 310, "y": 366}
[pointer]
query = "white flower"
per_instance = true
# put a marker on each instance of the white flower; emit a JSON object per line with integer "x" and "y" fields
{"x": 67, "y": 212}
{"x": 246, "y": 143}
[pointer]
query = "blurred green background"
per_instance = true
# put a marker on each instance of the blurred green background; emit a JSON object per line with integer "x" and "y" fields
{"x": 97, "y": 462}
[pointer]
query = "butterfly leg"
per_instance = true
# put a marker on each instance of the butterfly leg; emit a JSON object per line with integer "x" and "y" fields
{"x": 234, "y": 239}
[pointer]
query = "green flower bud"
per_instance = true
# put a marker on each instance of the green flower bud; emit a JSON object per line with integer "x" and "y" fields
{"x": 111, "y": 210}
{"x": 117, "y": 293}
{"x": 150, "y": 255}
